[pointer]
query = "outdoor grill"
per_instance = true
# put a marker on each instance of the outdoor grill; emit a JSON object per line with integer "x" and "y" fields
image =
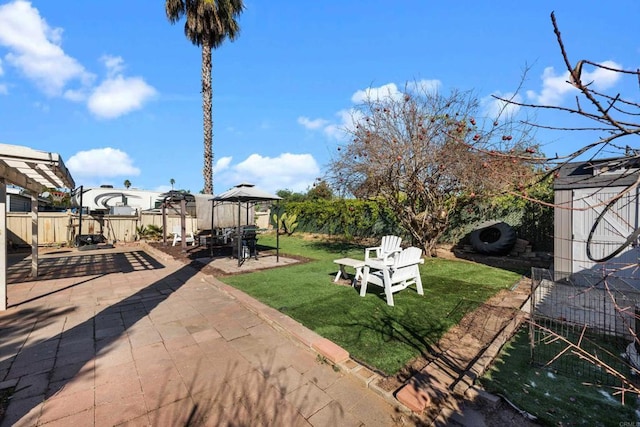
{"x": 248, "y": 245}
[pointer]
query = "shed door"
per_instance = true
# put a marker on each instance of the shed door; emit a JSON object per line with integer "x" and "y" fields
{"x": 616, "y": 225}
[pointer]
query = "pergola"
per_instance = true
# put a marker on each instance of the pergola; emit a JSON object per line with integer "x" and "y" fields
{"x": 35, "y": 171}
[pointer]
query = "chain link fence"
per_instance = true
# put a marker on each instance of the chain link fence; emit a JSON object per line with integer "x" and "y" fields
{"x": 581, "y": 319}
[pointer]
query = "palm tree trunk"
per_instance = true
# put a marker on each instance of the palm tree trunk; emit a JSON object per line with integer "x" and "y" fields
{"x": 207, "y": 95}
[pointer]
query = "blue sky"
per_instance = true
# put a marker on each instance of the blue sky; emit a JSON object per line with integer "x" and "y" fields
{"x": 114, "y": 88}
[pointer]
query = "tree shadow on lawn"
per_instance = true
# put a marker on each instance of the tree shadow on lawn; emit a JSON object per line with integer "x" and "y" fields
{"x": 394, "y": 329}
{"x": 409, "y": 327}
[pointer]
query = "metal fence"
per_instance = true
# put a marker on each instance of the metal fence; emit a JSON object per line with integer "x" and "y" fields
{"x": 582, "y": 318}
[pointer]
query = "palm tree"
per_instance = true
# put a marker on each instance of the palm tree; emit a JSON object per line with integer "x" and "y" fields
{"x": 208, "y": 24}
{"x": 127, "y": 184}
{"x": 172, "y": 181}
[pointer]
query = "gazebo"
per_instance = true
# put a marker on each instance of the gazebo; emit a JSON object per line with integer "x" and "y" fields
{"x": 170, "y": 199}
{"x": 246, "y": 195}
{"x": 35, "y": 171}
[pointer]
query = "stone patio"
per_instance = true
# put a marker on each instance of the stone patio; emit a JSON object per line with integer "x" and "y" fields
{"x": 125, "y": 337}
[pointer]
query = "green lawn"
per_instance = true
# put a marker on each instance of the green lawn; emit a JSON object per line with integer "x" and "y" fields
{"x": 383, "y": 337}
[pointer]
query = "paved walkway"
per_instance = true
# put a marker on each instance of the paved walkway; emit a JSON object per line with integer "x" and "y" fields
{"x": 120, "y": 337}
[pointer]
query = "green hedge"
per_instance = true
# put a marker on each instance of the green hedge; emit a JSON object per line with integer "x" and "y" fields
{"x": 348, "y": 217}
{"x": 372, "y": 218}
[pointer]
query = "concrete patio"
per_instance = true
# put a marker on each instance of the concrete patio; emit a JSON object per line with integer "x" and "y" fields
{"x": 126, "y": 337}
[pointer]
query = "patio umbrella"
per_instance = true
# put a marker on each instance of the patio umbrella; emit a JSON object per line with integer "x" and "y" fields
{"x": 245, "y": 193}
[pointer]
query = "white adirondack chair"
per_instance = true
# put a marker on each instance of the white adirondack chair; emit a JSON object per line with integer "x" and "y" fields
{"x": 393, "y": 278}
{"x": 178, "y": 238}
{"x": 388, "y": 249}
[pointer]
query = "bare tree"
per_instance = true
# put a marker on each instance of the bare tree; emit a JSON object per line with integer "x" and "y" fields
{"x": 423, "y": 152}
{"x": 610, "y": 115}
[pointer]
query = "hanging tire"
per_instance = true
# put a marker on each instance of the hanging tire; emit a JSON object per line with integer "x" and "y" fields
{"x": 496, "y": 239}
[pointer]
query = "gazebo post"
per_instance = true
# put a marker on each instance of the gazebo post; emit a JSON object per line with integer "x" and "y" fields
{"x": 3, "y": 245}
{"x": 164, "y": 222}
{"x": 239, "y": 235}
{"x": 213, "y": 210}
{"x": 34, "y": 234}
{"x": 183, "y": 224}
{"x": 77, "y": 237}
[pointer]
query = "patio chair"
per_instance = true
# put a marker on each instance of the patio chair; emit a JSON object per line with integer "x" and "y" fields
{"x": 178, "y": 238}
{"x": 389, "y": 247}
{"x": 403, "y": 273}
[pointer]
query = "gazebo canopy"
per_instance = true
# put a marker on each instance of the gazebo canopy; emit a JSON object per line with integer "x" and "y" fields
{"x": 245, "y": 193}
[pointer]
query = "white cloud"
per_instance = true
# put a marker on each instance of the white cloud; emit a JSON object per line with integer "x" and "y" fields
{"x": 75, "y": 95}
{"x": 603, "y": 79}
{"x": 102, "y": 162}
{"x": 4, "y": 90}
{"x": 390, "y": 90}
{"x": 307, "y": 123}
{"x": 222, "y": 164}
{"x": 295, "y": 172}
{"x": 346, "y": 123}
{"x": 424, "y": 86}
{"x": 347, "y": 118}
{"x": 118, "y": 95}
{"x": 34, "y": 49}
{"x": 556, "y": 87}
{"x": 495, "y": 107}
{"x": 114, "y": 65}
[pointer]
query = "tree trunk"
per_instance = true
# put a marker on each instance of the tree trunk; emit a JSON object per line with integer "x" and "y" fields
{"x": 207, "y": 95}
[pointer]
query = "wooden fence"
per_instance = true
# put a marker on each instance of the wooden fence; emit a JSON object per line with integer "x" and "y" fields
{"x": 60, "y": 228}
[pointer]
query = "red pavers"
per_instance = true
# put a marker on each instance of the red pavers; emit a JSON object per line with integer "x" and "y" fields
{"x": 416, "y": 399}
{"x": 330, "y": 350}
{"x": 166, "y": 347}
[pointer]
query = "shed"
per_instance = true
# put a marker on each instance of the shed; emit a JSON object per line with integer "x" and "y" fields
{"x": 596, "y": 216}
